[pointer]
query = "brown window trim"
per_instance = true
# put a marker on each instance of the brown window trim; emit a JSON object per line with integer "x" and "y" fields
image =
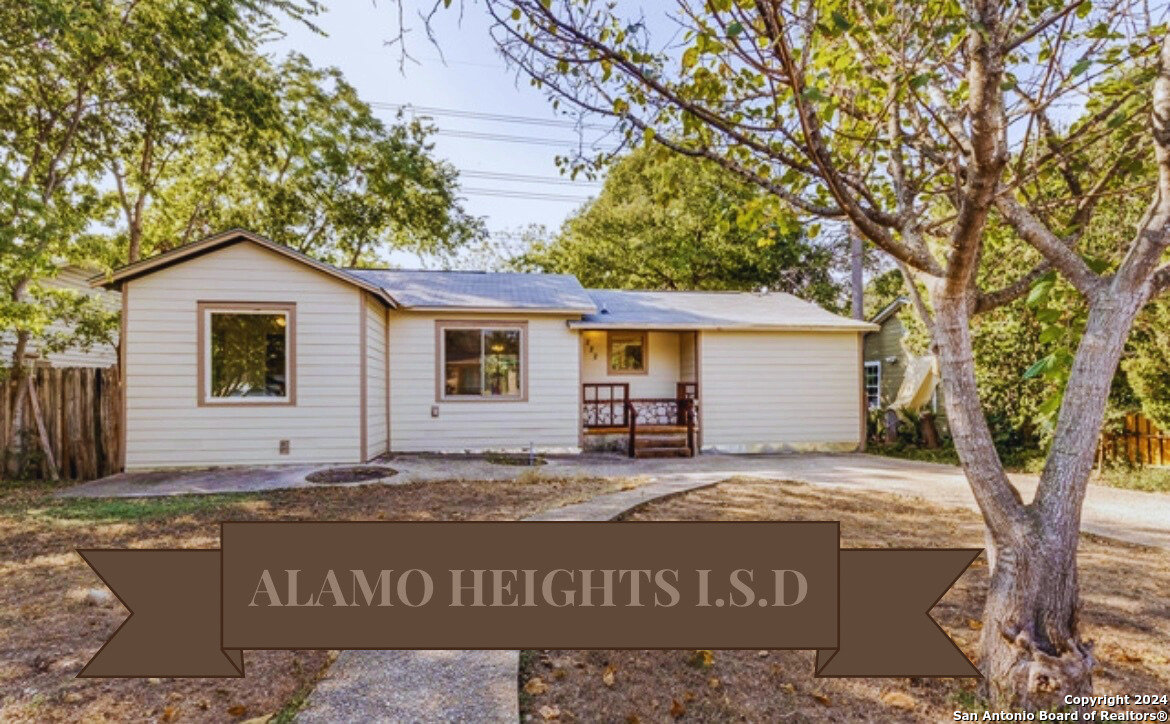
{"x": 440, "y": 361}
{"x": 202, "y": 352}
{"x": 609, "y": 335}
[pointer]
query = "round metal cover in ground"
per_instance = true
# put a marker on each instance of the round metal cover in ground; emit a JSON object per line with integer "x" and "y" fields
{"x": 350, "y": 474}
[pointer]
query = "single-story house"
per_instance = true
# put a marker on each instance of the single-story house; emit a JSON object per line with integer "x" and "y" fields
{"x": 238, "y": 350}
{"x": 894, "y": 377}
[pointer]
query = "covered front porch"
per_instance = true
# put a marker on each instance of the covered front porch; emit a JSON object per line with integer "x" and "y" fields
{"x": 640, "y": 391}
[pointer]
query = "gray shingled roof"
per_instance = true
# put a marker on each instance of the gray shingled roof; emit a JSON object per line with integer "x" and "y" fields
{"x": 480, "y": 290}
{"x": 711, "y": 310}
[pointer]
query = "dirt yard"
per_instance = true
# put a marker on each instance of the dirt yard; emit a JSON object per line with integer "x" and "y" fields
{"x": 55, "y": 613}
{"x": 1127, "y": 614}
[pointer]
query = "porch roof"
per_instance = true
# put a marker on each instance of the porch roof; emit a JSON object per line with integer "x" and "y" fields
{"x": 773, "y": 311}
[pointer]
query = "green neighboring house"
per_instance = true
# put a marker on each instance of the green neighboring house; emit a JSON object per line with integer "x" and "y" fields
{"x": 895, "y": 378}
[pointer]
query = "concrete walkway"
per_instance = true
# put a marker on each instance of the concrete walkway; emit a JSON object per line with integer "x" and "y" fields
{"x": 457, "y": 686}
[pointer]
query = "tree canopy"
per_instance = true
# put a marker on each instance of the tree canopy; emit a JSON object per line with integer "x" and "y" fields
{"x": 663, "y": 221}
{"x": 127, "y": 128}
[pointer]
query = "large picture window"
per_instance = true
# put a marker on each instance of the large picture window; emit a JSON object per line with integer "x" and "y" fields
{"x": 481, "y": 362}
{"x": 627, "y": 353}
{"x": 246, "y": 354}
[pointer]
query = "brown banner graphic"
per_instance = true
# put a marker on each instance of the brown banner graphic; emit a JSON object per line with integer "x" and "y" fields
{"x": 530, "y": 585}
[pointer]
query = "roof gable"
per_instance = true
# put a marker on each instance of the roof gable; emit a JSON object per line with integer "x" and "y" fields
{"x": 218, "y": 241}
{"x": 889, "y": 310}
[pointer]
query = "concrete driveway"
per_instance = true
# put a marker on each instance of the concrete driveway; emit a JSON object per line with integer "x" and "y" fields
{"x": 1126, "y": 515}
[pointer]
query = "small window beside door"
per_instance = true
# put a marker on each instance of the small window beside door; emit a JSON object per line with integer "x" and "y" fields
{"x": 627, "y": 353}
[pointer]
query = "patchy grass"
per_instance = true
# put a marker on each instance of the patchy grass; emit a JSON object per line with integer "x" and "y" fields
{"x": 50, "y": 623}
{"x": 130, "y": 509}
{"x": 1125, "y": 614}
{"x": 945, "y": 455}
{"x": 521, "y": 459}
{"x": 1015, "y": 461}
{"x": 1150, "y": 480}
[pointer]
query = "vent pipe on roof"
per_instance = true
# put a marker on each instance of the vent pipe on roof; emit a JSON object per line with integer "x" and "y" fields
{"x": 604, "y": 309}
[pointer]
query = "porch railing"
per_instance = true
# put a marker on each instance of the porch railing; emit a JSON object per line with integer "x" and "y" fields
{"x": 604, "y": 404}
{"x": 608, "y": 404}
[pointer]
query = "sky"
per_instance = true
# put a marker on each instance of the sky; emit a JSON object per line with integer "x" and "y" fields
{"x": 474, "y": 80}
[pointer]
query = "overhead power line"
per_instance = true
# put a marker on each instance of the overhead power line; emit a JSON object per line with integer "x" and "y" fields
{"x": 526, "y": 195}
{"x": 493, "y": 117}
{"x": 508, "y": 138}
{"x": 528, "y": 178}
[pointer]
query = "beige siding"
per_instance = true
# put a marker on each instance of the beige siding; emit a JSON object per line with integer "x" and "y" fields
{"x": 376, "y": 393}
{"x": 687, "y": 370}
{"x": 165, "y": 425}
{"x": 549, "y": 418}
{"x": 780, "y": 391}
{"x": 662, "y": 372}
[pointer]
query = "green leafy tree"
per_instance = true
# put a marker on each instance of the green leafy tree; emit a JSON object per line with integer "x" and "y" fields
{"x": 84, "y": 83}
{"x": 664, "y": 221}
{"x": 326, "y": 177}
{"x": 1147, "y": 367}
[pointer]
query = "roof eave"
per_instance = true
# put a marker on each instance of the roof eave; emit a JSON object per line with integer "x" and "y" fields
{"x": 887, "y": 311}
{"x": 567, "y": 311}
{"x": 731, "y": 327}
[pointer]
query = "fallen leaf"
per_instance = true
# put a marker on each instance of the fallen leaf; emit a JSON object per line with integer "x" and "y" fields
{"x": 559, "y": 674}
{"x": 633, "y": 719}
{"x": 677, "y": 710}
{"x": 607, "y": 678}
{"x": 237, "y": 710}
{"x": 688, "y": 696}
{"x": 550, "y": 712}
{"x": 535, "y": 686}
{"x": 714, "y": 683}
{"x": 899, "y": 700}
{"x": 787, "y": 686}
{"x": 822, "y": 699}
{"x": 974, "y": 624}
{"x": 702, "y": 658}
{"x": 168, "y": 713}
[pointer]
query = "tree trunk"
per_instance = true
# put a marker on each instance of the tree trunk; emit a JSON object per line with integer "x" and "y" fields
{"x": 1032, "y": 654}
{"x": 1031, "y": 651}
{"x": 15, "y": 443}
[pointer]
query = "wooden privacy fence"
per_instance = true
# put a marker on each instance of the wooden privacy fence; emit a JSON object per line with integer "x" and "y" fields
{"x": 81, "y": 408}
{"x": 1139, "y": 442}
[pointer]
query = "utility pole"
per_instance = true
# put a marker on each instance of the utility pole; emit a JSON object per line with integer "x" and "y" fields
{"x": 856, "y": 257}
